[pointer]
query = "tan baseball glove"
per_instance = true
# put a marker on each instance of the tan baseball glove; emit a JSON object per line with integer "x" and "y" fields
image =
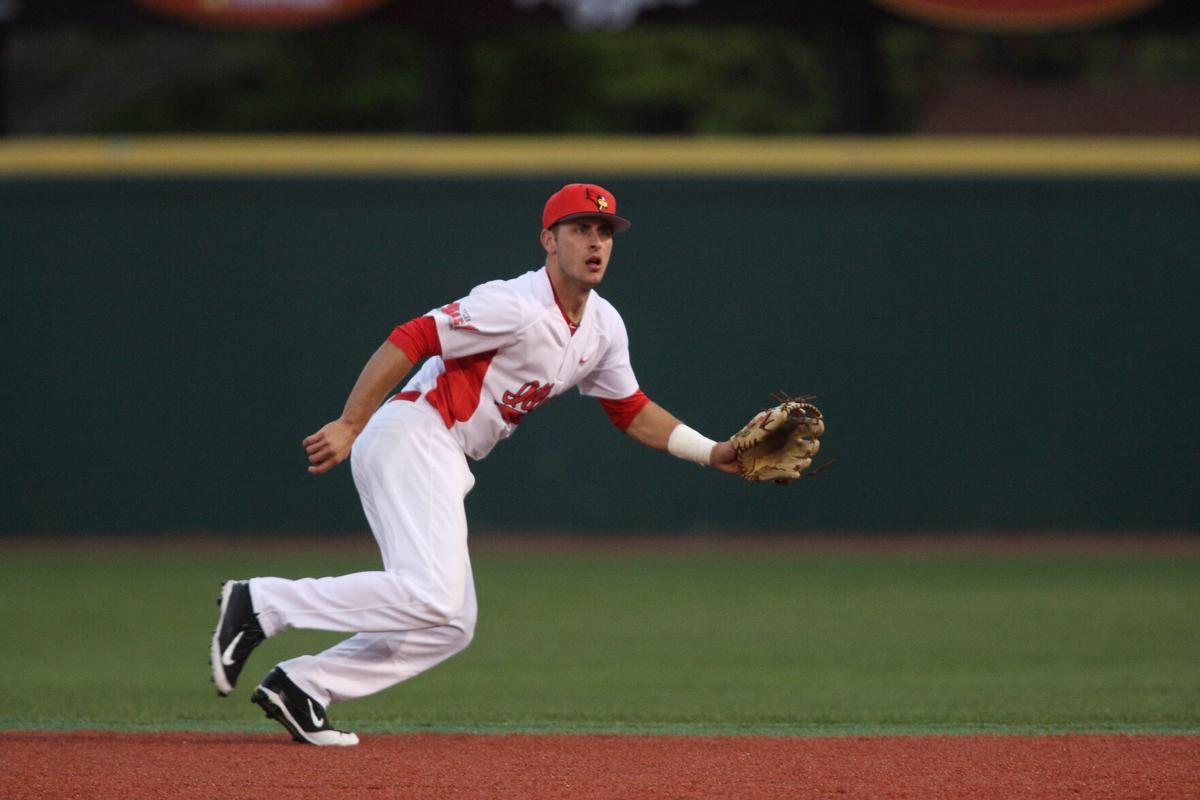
{"x": 779, "y": 443}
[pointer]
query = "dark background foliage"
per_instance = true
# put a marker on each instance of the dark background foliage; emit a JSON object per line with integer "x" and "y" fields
{"x": 67, "y": 71}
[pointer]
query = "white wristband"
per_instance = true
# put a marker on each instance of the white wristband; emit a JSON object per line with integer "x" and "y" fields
{"x": 685, "y": 443}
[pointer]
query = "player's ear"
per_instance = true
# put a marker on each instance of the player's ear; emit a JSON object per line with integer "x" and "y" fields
{"x": 548, "y": 242}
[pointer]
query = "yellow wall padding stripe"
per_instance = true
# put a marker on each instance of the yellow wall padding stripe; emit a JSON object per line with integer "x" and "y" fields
{"x": 596, "y": 156}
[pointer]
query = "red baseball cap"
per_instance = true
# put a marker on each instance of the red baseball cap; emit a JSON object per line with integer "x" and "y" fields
{"x": 577, "y": 200}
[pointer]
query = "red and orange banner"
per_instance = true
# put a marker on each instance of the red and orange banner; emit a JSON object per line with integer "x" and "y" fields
{"x": 1017, "y": 15}
{"x": 260, "y": 13}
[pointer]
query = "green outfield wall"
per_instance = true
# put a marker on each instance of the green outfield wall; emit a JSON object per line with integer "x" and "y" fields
{"x": 994, "y": 350}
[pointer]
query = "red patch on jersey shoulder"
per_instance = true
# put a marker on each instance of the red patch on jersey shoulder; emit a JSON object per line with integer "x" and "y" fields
{"x": 460, "y": 319}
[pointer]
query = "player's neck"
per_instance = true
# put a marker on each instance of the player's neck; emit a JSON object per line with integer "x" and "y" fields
{"x": 571, "y": 297}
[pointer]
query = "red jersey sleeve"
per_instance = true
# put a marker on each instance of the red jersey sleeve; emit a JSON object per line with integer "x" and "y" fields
{"x": 418, "y": 338}
{"x": 622, "y": 412}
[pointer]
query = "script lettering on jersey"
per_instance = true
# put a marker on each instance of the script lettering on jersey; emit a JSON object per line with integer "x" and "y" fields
{"x": 459, "y": 318}
{"x": 513, "y": 406}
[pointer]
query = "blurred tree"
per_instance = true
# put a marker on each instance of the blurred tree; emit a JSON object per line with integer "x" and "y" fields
{"x": 656, "y": 78}
{"x": 650, "y": 80}
{"x": 1111, "y": 80}
{"x": 175, "y": 80}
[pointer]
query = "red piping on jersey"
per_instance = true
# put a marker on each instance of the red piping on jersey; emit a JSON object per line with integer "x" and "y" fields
{"x": 456, "y": 395}
{"x": 418, "y": 339}
{"x": 623, "y": 412}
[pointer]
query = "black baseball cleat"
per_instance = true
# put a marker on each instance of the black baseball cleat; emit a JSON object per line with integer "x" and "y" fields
{"x": 292, "y": 708}
{"x": 236, "y": 636}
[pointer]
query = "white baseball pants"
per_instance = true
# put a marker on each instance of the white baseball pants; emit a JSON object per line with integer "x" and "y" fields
{"x": 420, "y": 609}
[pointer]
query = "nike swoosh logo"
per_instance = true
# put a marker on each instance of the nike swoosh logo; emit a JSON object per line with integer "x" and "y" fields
{"x": 227, "y": 656}
{"x": 312, "y": 712}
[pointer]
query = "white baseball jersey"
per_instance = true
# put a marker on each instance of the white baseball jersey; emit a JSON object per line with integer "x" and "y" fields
{"x": 507, "y": 348}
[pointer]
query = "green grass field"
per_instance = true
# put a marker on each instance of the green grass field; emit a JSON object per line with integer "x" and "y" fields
{"x": 792, "y": 642}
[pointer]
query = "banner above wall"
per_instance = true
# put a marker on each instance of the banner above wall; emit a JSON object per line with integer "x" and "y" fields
{"x": 612, "y": 14}
{"x": 260, "y": 13}
{"x": 1011, "y": 16}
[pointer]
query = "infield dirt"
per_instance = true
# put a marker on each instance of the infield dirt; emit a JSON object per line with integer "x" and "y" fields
{"x": 133, "y": 766}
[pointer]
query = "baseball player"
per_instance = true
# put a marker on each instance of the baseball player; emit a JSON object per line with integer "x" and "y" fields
{"x": 489, "y": 359}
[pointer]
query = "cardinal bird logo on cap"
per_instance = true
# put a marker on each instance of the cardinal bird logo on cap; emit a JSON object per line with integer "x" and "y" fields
{"x": 600, "y": 200}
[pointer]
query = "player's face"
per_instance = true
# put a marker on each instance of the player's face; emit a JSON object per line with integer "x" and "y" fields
{"x": 582, "y": 248}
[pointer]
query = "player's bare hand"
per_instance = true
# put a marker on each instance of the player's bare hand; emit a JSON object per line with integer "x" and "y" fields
{"x": 329, "y": 446}
{"x": 724, "y": 458}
